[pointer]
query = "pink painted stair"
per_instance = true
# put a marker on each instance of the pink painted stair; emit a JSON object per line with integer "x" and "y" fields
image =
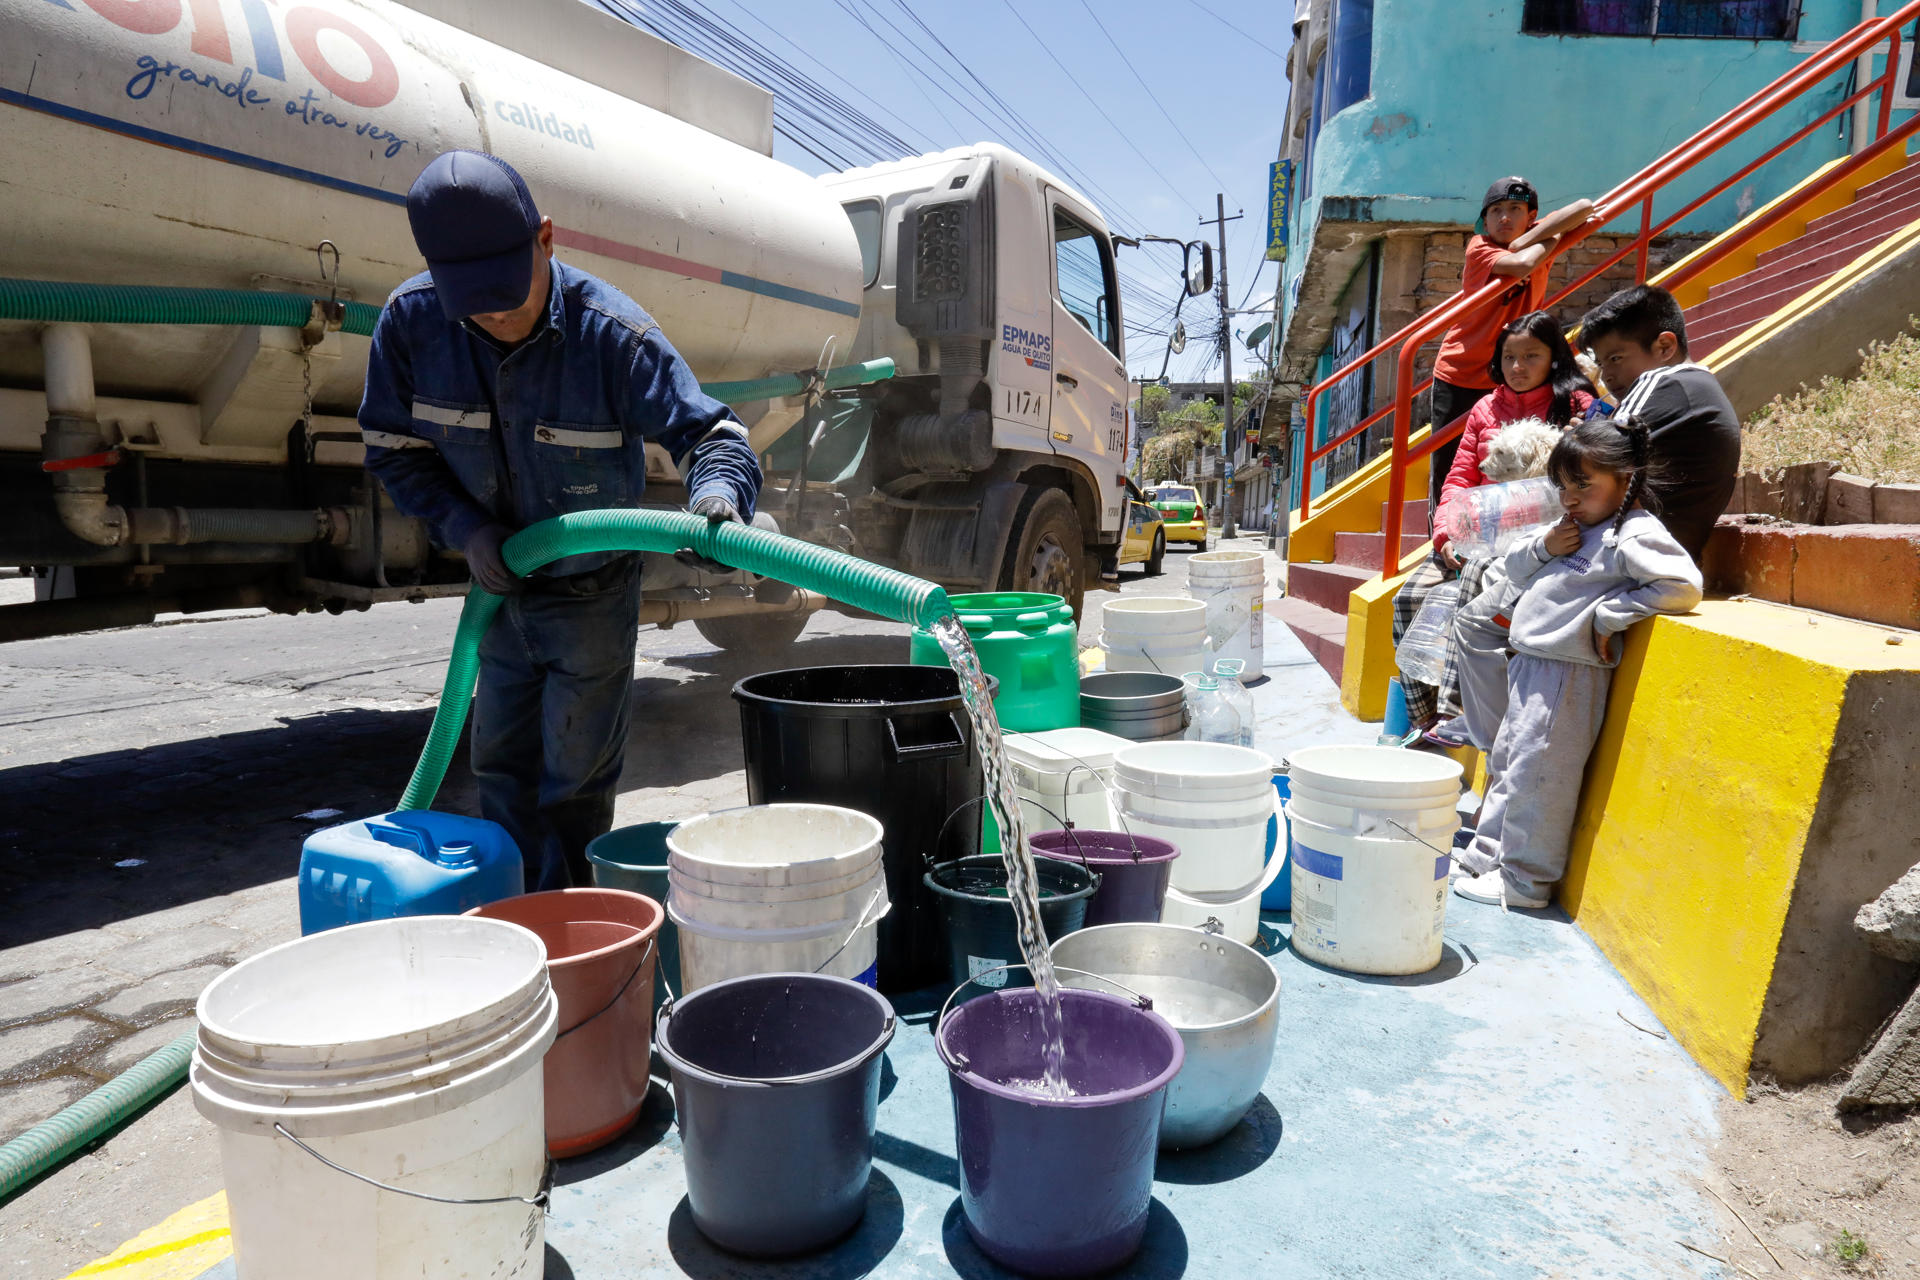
{"x": 1783, "y": 274}
{"x": 1316, "y": 604}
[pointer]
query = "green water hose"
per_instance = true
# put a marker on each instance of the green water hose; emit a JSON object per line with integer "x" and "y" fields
{"x": 69, "y": 302}
{"x": 51, "y": 1141}
{"x": 887, "y": 592}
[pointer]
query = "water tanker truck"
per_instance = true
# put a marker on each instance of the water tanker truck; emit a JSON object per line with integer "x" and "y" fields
{"x": 205, "y": 206}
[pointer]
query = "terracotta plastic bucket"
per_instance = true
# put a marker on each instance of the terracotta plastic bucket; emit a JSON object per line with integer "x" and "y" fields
{"x": 600, "y": 960}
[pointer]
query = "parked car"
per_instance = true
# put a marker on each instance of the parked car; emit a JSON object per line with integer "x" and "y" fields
{"x": 1144, "y": 540}
{"x": 1182, "y": 516}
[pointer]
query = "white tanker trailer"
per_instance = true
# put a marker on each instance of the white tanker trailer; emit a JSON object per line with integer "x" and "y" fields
{"x": 204, "y": 203}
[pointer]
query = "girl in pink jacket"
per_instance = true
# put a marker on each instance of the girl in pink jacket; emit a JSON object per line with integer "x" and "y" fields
{"x": 1534, "y": 376}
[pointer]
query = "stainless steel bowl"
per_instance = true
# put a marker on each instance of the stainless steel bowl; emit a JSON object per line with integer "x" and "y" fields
{"x": 1220, "y": 995}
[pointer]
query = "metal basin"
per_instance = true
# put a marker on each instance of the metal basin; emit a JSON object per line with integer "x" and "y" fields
{"x": 1142, "y": 705}
{"x": 1220, "y": 995}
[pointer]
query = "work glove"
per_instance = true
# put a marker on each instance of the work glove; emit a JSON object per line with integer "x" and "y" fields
{"x": 717, "y": 510}
{"x": 486, "y": 564}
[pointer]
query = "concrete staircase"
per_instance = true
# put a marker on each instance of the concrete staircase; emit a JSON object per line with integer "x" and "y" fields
{"x": 1316, "y": 603}
{"x": 1784, "y": 273}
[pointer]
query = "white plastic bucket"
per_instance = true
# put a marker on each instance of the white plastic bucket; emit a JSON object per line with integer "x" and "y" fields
{"x": 1238, "y": 911}
{"x": 1233, "y": 586}
{"x": 1368, "y": 904}
{"x": 1064, "y": 775}
{"x": 406, "y": 1051}
{"x": 1154, "y": 633}
{"x": 1211, "y": 800}
{"x": 1386, "y": 773}
{"x": 779, "y": 888}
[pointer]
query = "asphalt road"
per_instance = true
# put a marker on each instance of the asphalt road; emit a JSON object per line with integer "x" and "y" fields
{"x": 154, "y": 787}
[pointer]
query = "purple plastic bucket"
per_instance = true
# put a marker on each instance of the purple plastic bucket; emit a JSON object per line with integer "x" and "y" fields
{"x": 1058, "y": 1188}
{"x": 1134, "y": 871}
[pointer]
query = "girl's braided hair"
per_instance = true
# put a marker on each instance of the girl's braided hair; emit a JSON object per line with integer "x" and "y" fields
{"x": 1613, "y": 446}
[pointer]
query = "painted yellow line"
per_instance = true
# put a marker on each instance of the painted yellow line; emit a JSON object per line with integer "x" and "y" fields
{"x": 181, "y": 1248}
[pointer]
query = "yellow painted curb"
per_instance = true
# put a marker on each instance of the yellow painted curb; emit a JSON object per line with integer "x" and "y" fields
{"x": 181, "y": 1248}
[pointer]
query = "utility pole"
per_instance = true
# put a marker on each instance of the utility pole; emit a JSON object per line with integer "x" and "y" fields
{"x": 1229, "y": 445}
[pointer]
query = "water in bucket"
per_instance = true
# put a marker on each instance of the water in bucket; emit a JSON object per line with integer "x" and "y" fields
{"x": 1022, "y": 876}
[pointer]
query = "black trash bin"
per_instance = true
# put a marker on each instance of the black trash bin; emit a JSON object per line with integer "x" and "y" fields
{"x": 893, "y": 741}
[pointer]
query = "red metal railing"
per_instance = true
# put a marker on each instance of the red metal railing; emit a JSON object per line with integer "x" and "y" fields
{"x": 1640, "y": 190}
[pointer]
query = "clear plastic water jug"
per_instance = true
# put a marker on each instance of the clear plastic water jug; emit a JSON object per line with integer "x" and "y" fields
{"x": 1423, "y": 649}
{"x": 1228, "y": 672}
{"x": 1492, "y": 517}
{"x": 1211, "y": 714}
{"x": 412, "y": 862}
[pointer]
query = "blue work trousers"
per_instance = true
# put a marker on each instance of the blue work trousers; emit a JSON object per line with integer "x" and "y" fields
{"x": 550, "y": 722}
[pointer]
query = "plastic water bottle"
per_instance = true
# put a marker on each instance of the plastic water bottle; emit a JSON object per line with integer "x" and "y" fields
{"x": 1227, "y": 671}
{"x": 1491, "y": 517}
{"x": 1422, "y": 654}
{"x": 1211, "y": 715}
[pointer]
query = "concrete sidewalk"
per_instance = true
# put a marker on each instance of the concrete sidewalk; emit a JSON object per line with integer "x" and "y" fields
{"x": 1501, "y": 1116}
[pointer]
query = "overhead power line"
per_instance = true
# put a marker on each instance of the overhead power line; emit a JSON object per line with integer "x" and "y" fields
{"x": 1243, "y": 34}
{"x": 1150, "y": 93}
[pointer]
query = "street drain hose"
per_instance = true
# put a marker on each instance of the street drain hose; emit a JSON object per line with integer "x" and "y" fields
{"x": 51, "y": 1141}
{"x": 834, "y": 574}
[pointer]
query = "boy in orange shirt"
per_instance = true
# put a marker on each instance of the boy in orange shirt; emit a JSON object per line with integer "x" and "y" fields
{"x": 1507, "y": 243}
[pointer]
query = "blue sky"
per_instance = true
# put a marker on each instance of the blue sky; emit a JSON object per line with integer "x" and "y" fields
{"x": 1149, "y": 170}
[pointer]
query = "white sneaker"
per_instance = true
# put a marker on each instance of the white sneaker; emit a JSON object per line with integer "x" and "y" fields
{"x": 1493, "y": 888}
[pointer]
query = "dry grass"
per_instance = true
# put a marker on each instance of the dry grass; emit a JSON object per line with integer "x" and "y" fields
{"x": 1869, "y": 424}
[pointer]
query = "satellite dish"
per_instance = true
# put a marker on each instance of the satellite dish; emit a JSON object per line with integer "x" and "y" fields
{"x": 1178, "y": 343}
{"x": 1259, "y": 335}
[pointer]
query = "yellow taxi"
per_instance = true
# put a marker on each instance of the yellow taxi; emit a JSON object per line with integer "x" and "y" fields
{"x": 1182, "y": 517}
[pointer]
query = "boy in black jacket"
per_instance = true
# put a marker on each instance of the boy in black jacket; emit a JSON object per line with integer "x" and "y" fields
{"x": 1640, "y": 343}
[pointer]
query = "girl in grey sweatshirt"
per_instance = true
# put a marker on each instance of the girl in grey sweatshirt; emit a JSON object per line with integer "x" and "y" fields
{"x": 1606, "y": 565}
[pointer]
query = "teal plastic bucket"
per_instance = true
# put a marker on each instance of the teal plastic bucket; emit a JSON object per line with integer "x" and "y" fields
{"x": 635, "y": 859}
{"x": 1029, "y": 643}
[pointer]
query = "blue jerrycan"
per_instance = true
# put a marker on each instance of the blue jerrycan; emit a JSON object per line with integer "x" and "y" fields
{"x": 413, "y": 862}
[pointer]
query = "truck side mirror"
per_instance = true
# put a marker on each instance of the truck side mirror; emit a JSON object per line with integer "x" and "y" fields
{"x": 1199, "y": 273}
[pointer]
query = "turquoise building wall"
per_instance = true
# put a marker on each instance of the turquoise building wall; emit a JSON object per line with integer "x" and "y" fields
{"x": 1458, "y": 96}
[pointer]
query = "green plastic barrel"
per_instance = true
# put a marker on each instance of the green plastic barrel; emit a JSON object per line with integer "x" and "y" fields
{"x": 1029, "y": 643}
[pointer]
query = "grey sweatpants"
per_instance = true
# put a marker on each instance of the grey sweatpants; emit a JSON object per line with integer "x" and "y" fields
{"x": 1480, "y": 656}
{"x": 1554, "y": 712}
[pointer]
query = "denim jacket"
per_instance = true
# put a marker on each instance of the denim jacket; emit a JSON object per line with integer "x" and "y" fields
{"x": 464, "y": 434}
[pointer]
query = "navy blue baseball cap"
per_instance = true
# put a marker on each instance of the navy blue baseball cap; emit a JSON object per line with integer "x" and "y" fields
{"x": 475, "y": 223}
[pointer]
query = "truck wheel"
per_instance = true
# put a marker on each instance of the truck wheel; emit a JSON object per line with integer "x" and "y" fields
{"x": 1045, "y": 552}
{"x": 752, "y": 630}
{"x": 1159, "y": 554}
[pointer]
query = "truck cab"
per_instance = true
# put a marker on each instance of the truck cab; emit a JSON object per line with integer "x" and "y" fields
{"x": 996, "y": 454}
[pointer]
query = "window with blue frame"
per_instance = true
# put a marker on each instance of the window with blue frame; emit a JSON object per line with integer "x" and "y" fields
{"x": 1721, "y": 19}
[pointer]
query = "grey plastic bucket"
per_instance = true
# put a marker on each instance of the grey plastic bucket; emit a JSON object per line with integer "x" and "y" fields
{"x": 776, "y": 1089}
{"x": 634, "y": 858}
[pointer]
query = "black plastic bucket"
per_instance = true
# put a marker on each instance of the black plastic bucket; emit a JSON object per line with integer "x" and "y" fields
{"x": 776, "y": 1089}
{"x": 891, "y": 741}
{"x": 977, "y": 915}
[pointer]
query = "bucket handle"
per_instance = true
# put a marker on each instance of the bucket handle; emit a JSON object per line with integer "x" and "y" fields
{"x": 645, "y": 956}
{"x": 941, "y": 837}
{"x": 858, "y": 925}
{"x": 1267, "y": 876}
{"x": 1142, "y": 1002}
{"x": 927, "y": 750}
{"x": 540, "y": 1199}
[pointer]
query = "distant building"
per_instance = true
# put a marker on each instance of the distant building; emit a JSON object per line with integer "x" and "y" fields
{"x": 1402, "y": 112}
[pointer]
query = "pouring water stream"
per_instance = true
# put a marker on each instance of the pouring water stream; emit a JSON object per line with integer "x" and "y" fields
{"x": 1023, "y": 884}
